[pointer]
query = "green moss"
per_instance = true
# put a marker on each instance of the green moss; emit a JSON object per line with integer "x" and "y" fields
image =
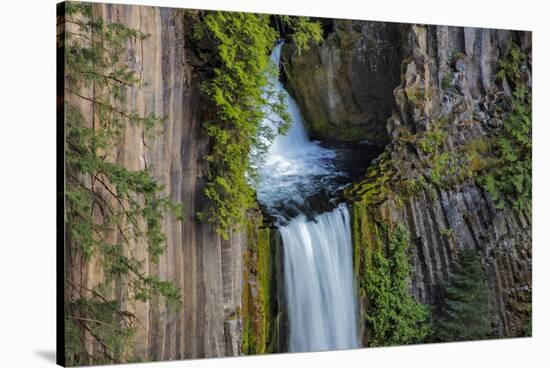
{"x": 433, "y": 140}
{"x": 415, "y": 95}
{"x": 256, "y": 295}
{"x": 448, "y": 233}
{"x": 443, "y": 166}
{"x": 413, "y": 186}
{"x": 480, "y": 154}
{"x": 457, "y": 55}
{"x": 446, "y": 168}
{"x": 375, "y": 185}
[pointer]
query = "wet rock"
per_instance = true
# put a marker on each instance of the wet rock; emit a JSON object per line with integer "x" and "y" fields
{"x": 345, "y": 85}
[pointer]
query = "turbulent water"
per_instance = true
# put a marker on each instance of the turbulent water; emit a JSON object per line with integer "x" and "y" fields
{"x": 317, "y": 254}
{"x": 295, "y": 167}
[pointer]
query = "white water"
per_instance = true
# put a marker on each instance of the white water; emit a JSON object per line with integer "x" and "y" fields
{"x": 317, "y": 254}
{"x": 319, "y": 282}
{"x": 294, "y": 167}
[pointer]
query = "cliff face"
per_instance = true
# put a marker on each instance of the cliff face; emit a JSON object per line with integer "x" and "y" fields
{"x": 345, "y": 85}
{"x": 444, "y": 99}
{"x": 207, "y": 269}
{"x": 455, "y": 68}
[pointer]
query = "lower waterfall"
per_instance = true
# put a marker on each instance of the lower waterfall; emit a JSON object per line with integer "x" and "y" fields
{"x": 318, "y": 269}
{"x": 319, "y": 282}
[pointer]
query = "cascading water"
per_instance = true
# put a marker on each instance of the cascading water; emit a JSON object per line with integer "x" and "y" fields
{"x": 319, "y": 282}
{"x": 294, "y": 168}
{"x": 317, "y": 254}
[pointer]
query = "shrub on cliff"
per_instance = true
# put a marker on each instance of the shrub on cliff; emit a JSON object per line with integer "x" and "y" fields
{"x": 393, "y": 316}
{"x": 511, "y": 179}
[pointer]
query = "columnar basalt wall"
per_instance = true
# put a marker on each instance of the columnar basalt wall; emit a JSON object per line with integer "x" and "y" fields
{"x": 449, "y": 85}
{"x": 207, "y": 268}
{"x": 457, "y": 68}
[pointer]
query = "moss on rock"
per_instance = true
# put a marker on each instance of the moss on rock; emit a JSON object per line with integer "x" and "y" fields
{"x": 256, "y": 289}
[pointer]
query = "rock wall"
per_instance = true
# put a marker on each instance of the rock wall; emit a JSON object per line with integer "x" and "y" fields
{"x": 207, "y": 269}
{"x": 265, "y": 320}
{"x": 449, "y": 85}
{"x": 344, "y": 86}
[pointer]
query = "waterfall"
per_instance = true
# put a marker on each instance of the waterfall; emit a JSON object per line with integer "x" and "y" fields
{"x": 295, "y": 167}
{"x": 318, "y": 266}
{"x": 319, "y": 282}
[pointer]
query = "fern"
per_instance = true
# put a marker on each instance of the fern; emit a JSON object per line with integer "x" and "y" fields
{"x": 511, "y": 179}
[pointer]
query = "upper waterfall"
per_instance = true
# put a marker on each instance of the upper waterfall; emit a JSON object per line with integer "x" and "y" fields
{"x": 294, "y": 167}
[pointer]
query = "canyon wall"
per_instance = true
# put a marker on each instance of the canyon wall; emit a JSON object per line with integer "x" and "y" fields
{"x": 207, "y": 269}
{"x": 445, "y": 86}
{"x": 456, "y": 70}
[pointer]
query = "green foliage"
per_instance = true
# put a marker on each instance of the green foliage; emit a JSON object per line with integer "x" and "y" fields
{"x": 479, "y": 154}
{"x": 443, "y": 166}
{"x": 105, "y": 321}
{"x": 413, "y": 186}
{"x": 511, "y": 179}
{"x": 240, "y": 90}
{"x": 447, "y": 82}
{"x": 304, "y": 31}
{"x": 433, "y": 140}
{"x": 108, "y": 208}
{"x": 375, "y": 187}
{"x": 393, "y": 316}
{"x": 448, "y": 233}
{"x": 466, "y": 311}
{"x": 450, "y": 167}
{"x": 415, "y": 95}
{"x": 509, "y": 66}
{"x": 240, "y": 60}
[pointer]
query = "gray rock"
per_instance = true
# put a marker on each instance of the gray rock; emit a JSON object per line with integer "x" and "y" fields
{"x": 345, "y": 85}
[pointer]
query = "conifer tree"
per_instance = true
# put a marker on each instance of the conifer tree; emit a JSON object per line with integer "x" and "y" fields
{"x": 108, "y": 208}
{"x": 467, "y": 311}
